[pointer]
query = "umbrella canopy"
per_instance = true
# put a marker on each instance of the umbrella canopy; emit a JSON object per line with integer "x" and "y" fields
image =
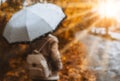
{"x": 2, "y": 1}
{"x": 32, "y": 22}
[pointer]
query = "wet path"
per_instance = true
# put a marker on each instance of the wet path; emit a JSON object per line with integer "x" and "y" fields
{"x": 103, "y": 57}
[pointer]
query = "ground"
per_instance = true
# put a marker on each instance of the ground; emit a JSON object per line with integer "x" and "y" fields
{"x": 103, "y": 57}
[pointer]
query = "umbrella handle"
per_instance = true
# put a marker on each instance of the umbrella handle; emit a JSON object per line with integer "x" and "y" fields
{"x": 43, "y": 45}
{"x": 25, "y": 4}
{"x": 43, "y": 1}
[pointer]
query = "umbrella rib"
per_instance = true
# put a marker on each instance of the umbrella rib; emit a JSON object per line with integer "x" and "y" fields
{"x": 26, "y": 25}
{"x": 41, "y": 18}
{"x": 47, "y": 23}
{"x": 9, "y": 33}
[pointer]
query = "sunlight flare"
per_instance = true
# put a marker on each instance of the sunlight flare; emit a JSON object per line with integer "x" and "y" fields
{"x": 109, "y": 9}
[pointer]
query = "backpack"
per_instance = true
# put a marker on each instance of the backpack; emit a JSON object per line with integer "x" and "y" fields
{"x": 37, "y": 64}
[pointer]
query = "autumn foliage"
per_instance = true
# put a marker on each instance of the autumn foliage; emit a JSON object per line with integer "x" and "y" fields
{"x": 13, "y": 56}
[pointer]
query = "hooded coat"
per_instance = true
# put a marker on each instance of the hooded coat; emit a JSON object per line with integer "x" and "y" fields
{"x": 48, "y": 47}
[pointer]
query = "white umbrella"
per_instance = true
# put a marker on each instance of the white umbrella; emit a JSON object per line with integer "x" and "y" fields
{"x": 2, "y": 1}
{"x": 32, "y": 22}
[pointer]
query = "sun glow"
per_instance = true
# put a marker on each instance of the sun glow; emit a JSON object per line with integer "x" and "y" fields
{"x": 109, "y": 9}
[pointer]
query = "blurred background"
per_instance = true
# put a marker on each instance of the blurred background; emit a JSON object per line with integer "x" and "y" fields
{"x": 89, "y": 41}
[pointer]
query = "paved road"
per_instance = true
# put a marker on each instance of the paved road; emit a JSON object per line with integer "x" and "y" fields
{"x": 103, "y": 57}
